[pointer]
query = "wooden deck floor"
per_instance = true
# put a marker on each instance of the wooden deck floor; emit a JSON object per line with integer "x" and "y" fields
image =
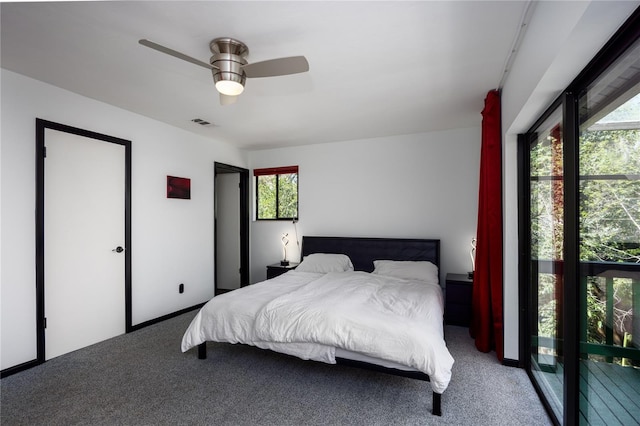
{"x": 609, "y": 393}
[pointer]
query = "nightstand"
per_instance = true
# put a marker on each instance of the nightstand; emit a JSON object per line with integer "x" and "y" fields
{"x": 458, "y": 290}
{"x": 277, "y": 269}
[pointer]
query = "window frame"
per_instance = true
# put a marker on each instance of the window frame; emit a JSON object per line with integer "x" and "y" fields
{"x": 277, "y": 172}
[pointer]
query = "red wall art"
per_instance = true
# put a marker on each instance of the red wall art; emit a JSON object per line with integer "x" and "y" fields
{"x": 178, "y": 187}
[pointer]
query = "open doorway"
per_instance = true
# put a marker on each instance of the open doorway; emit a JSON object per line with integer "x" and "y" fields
{"x": 231, "y": 227}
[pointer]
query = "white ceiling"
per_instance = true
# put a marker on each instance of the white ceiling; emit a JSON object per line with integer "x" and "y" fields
{"x": 376, "y": 68}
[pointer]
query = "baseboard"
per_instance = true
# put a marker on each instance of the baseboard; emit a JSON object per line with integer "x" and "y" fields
{"x": 511, "y": 363}
{"x": 18, "y": 368}
{"x": 30, "y": 364}
{"x": 164, "y": 317}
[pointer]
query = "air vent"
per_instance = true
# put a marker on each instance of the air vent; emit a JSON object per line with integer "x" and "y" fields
{"x": 201, "y": 122}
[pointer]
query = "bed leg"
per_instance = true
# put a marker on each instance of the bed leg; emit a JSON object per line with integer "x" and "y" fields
{"x": 202, "y": 350}
{"x": 437, "y": 404}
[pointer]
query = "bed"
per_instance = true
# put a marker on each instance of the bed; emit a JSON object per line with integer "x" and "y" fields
{"x": 353, "y": 301}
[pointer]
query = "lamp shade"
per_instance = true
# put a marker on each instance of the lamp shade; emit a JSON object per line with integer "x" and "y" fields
{"x": 229, "y": 87}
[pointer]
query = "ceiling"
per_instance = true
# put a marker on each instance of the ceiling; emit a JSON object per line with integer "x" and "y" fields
{"x": 376, "y": 68}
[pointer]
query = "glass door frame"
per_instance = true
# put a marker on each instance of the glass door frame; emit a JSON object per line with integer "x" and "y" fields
{"x": 569, "y": 320}
{"x": 628, "y": 33}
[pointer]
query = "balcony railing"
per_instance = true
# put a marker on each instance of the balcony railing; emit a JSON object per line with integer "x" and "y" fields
{"x": 624, "y": 346}
{"x": 629, "y": 348}
{"x": 609, "y": 339}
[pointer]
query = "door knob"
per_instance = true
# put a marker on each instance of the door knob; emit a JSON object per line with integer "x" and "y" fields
{"x": 118, "y": 249}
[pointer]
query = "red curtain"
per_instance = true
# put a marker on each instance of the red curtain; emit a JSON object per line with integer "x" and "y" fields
{"x": 486, "y": 326}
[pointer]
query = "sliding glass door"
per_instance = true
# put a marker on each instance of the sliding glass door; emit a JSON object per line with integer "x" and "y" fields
{"x": 546, "y": 202}
{"x": 609, "y": 230}
{"x": 580, "y": 245}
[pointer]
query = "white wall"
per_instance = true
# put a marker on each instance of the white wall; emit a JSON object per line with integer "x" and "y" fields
{"x": 414, "y": 186}
{"x": 172, "y": 240}
{"x": 560, "y": 41}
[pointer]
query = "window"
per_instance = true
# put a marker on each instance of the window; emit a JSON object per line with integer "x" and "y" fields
{"x": 276, "y": 193}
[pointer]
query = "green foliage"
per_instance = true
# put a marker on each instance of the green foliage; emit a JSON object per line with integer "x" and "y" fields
{"x": 609, "y": 224}
{"x": 596, "y": 312}
{"x": 610, "y": 206}
{"x": 547, "y": 305}
{"x": 547, "y": 199}
{"x": 278, "y": 196}
{"x": 288, "y": 196}
{"x": 266, "y": 197}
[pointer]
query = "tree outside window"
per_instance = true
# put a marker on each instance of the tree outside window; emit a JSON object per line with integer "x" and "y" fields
{"x": 277, "y": 193}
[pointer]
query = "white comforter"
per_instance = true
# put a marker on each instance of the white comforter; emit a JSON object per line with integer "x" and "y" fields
{"x": 309, "y": 315}
{"x": 382, "y": 317}
{"x": 230, "y": 318}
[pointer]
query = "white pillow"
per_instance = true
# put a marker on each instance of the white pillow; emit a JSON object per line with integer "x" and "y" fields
{"x": 325, "y": 262}
{"x": 409, "y": 270}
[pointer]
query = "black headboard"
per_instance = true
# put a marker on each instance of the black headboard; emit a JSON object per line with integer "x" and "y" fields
{"x": 363, "y": 251}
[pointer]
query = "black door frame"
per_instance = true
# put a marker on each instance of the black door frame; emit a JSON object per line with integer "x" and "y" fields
{"x": 221, "y": 168}
{"x": 41, "y": 126}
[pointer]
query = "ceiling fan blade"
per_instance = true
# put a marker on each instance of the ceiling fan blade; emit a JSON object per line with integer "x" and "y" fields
{"x": 227, "y": 100}
{"x": 278, "y": 66}
{"x": 175, "y": 54}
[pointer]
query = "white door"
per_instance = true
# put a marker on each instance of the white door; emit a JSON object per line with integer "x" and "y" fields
{"x": 84, "y": 222}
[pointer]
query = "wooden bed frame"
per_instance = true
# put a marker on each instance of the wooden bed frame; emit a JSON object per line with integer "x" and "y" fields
{"x": 362, "y": 252}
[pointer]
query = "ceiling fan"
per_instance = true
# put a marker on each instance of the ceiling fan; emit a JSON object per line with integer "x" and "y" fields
{"x": 230, "y": 68}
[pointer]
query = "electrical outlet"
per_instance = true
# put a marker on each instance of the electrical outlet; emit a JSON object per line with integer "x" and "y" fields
{"x": 181, "y": 288}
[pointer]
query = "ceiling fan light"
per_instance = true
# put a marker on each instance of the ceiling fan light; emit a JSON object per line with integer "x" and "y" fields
{"x": 229, "y": 87}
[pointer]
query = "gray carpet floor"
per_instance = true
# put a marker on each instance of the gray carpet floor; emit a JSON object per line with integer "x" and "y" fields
{"x": 142, "y": 378}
